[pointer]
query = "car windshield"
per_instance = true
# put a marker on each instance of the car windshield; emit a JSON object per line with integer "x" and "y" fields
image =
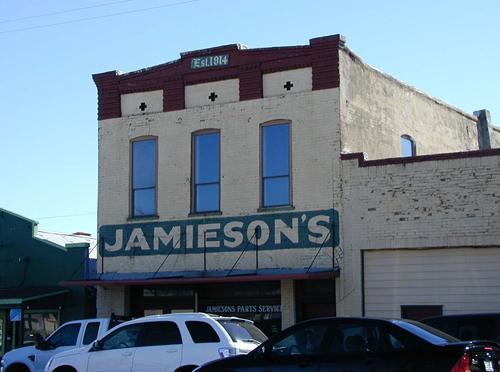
{"x": 240, "y": 330}
{"x": 426, "y": 332}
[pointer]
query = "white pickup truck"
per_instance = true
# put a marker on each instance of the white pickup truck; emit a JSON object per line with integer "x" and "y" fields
{"x": 70, "y": 335}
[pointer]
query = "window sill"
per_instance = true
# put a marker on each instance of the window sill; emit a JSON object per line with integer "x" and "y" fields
{"x": 205, "y": 214}
{"x": 140, "y": 218}
{"x": 276, "y": 209}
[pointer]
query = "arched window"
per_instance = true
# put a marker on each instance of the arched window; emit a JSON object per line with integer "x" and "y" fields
{"x": 143, "y": 182}
{"x": 275, "y": 164}
{"x": 408, "y": 146}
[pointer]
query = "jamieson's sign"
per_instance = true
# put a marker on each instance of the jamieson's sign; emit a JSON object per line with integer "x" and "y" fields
{"x": 222, "y": 234}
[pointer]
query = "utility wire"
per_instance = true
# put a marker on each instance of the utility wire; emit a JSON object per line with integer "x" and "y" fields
{"x": 64, "y": 216}
{"x": 97, "y": 17}
{"x": 63, "y": 11}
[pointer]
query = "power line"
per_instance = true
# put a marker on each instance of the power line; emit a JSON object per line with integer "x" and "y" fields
{"x": 63, "y": 11}
{"x": 67, "y": 215}
{"x": 98, "y": 17}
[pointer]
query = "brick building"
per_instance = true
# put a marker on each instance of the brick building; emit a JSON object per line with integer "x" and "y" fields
{"x": 233, "y": 181}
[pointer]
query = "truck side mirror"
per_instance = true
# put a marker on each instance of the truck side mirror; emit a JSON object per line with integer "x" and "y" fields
{"x": 37, "y": 337}
{"x": 44, "y": 345}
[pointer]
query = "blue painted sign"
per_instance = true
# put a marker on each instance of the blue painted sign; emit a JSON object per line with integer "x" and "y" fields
{"x": 222, "y": 234}
{"x": 210, "y": 61}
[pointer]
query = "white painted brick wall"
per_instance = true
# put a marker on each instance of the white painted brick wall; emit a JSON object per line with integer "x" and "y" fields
{"x": 314, "y": 130}
{"x": 112, "y": 299}
{"x": 273, "y": 84}
{"x": 433, "y": 204}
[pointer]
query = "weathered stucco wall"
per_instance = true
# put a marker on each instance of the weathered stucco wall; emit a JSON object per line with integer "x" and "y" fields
{"x": 424, "y": 204}
{"x": 495, "y": 137}
{"x": 376, "y": 110}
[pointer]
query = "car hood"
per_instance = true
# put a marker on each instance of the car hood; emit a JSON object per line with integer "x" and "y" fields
{"x": 226, "y": 362}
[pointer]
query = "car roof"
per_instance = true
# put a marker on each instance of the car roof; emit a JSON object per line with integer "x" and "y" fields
{"x": 467, "y": 315}
{"x": 185, "y": 316}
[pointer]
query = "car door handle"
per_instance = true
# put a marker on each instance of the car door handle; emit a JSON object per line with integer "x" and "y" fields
{"x": 127, "y": 353}
{"x": 171, "y": 350}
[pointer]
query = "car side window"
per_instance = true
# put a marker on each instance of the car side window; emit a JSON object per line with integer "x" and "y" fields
{"x": 66, "y": 335}
{"x": 202, "y": 332}
{"x": 306, "y": 340}
{"x": 395, "y": 343}
{"x": 122, "y": 338}
{"x": 352, "y": 337}
{"x": 90, "y": 332}
{"x": 159, "y": 333}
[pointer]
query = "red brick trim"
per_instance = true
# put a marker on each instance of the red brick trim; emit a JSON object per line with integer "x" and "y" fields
{"x": 247, "y": 65}
{"x": 417, "y": 159}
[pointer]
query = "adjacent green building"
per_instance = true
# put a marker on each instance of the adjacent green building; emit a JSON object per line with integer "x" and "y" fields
{"x": 32, "y": 264}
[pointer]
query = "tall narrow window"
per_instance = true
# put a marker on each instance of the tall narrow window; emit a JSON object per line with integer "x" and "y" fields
{"x": 408, "y": 146}
{"x": 144, "y": 177}
{"x": 206, "y": 185}
{"x": 275, "y": 166}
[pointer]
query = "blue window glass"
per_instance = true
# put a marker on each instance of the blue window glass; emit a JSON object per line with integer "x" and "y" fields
{"x": 206, "y": 172}
{"x": 408, "y": 147}
{"x": 144, "y": 177}
{"x": 275, "y": 165}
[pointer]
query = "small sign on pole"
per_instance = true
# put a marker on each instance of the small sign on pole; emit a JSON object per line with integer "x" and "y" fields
{"x": 15, "y": 315}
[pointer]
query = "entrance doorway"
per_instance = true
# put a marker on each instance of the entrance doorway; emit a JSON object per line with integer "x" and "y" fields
{"x": 315, "y": 298}
{"x": 7, "y": 332}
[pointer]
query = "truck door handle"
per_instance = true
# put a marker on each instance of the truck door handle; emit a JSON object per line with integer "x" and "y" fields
{"x": 171, "y": 350}
{"x": 127, "y": 353}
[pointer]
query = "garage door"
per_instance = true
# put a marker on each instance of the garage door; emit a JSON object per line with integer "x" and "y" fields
{"x": 461, "y": 280}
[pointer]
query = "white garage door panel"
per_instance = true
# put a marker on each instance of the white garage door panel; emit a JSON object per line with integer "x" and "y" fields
{"x": 461, "y": 280}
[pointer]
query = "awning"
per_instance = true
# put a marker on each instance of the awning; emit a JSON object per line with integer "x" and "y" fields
{"x": 19, "y": 296}
{"x": 207, "y": 278}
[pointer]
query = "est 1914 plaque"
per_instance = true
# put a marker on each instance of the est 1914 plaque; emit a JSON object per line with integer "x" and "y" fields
{"x": 210, "y": 61}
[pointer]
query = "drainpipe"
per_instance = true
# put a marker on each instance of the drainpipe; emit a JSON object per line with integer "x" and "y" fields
{"x": 483, "y": 129}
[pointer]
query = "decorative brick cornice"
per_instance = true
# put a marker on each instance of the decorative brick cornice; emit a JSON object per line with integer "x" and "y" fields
{"x": 247, "y": 65}
{"x": 108, "y": 88}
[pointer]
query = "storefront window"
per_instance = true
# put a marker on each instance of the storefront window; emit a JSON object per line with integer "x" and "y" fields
{"x": 39, "y": 324}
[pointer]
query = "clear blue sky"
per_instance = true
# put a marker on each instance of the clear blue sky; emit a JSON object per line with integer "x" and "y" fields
{"x": 48, "y": 152}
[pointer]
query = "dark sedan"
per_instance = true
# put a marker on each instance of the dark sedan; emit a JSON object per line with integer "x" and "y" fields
{"x": 364, "y": 345}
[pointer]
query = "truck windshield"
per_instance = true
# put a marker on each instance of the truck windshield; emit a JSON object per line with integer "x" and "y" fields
{"x": 240, "y": 330}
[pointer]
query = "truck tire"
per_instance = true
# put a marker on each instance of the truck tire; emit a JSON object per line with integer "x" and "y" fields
{"x": 17, "y": 367}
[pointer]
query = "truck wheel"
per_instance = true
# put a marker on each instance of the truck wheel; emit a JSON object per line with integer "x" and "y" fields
{"x": 17, "y": 368}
